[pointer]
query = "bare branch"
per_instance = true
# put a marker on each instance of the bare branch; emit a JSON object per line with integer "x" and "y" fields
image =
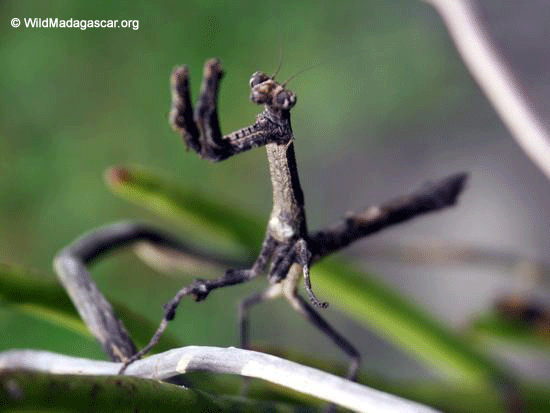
{"x": 71, "y": 267}
{"x": 231, "y": 360}
{"x": 360, "y": 224}
{"x": 495, "y": 79}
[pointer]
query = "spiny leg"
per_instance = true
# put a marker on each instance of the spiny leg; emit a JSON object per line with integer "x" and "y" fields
{"x": 181, "y": 114}
{"x": 287, "y": 287}
{"x": 200, "y": 289}
{"x": 206, "y": 112}
{"x": 200, "y": 129}
{"x": 303, "y": 256}
{"x": 204, "y": 121}
{"x": 304, "y": 308}
{"x": 284, "y": 257}
{"x": 244, "y": 313}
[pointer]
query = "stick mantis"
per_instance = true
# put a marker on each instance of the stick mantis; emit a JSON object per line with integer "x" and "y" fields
{"x": 289, "y": 249}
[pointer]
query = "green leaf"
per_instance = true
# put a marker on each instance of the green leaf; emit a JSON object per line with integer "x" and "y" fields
{"x": 43, "y": 297}
{"x": 39, "y": 392}
{"x": 207, "y": 220}
{"x": 376, "y": 306}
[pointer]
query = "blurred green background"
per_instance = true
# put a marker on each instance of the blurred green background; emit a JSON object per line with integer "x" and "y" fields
{"x": 389, "y": 105}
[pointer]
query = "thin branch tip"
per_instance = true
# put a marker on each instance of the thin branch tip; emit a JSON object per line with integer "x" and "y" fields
{"x": 457, "y": 183}
{"x": 449, "y": 189}
{"x": 429, "y": 198}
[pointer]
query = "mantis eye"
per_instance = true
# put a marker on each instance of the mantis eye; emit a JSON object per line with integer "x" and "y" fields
{"x": 282, "y": 99}
{"x": 285, "y": 100}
